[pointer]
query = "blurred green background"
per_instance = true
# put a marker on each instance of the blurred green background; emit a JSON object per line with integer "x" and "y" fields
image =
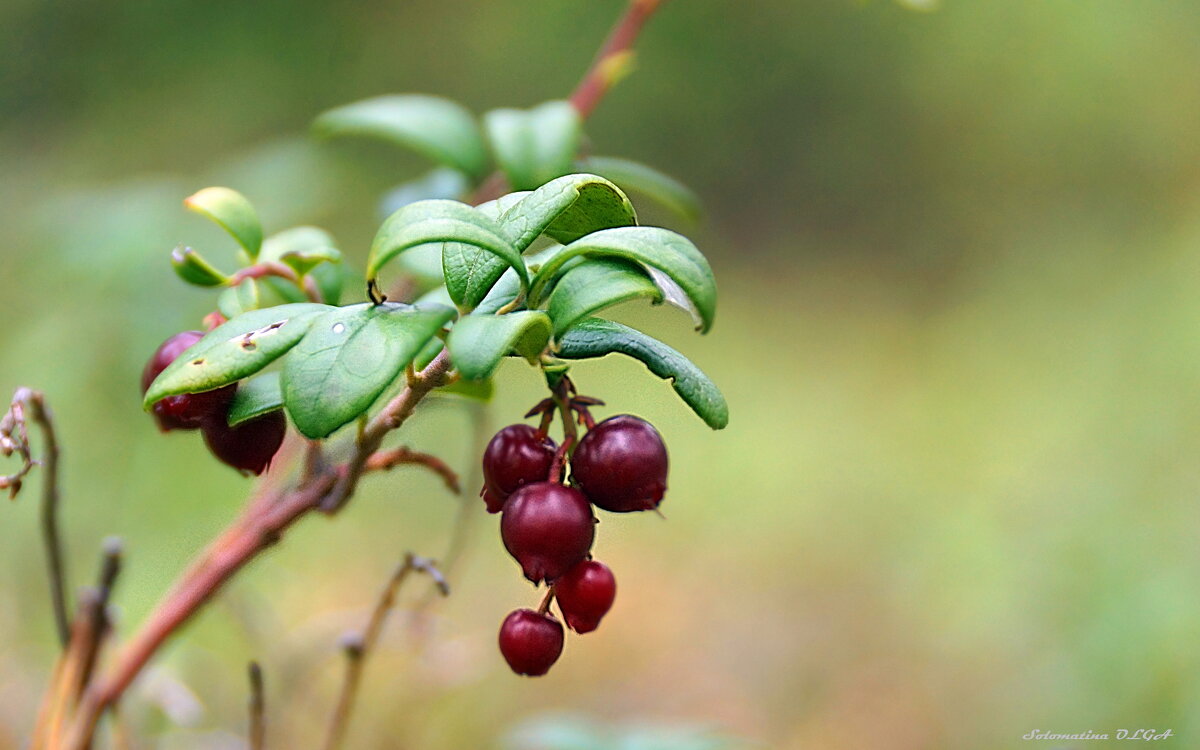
{"x": 959, "y": 255}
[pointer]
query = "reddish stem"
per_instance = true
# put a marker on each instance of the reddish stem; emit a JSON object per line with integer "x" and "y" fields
{"x": 600, "y": 77}
{"x": 560, "y": 458}
{"x": 259, "y": 527}
{"x": 603, "y": 73}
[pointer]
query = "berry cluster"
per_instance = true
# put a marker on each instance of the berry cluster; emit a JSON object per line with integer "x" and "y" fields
{"x": 248, "y": 447}
{"x": 620, "y": 465}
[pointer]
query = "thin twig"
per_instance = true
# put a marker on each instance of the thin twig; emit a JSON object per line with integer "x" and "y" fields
{"x": 30, "y": 406}
{"x": 110, "y": 568}
{"x": 392, "y": 416}
{"x": 358, "y": 646}
{"x": 562, "y": 393}
{"x": 612, "y": 62}
{"x": 272, "y": 513}
{"x": 385, "y": 460}
{"x": 614, "y": 58}
{"x": 258, "y": 722}
{"x": 261, "y": 525}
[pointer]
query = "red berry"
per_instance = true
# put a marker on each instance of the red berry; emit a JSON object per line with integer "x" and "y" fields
{"x": 585, "y": 594}
{"x": 530, "y": 642}
{"x": 494, "y": 503}
{"x": 251, "y": 445}
{"x": 621, "y": 465}
{"x": 548, "y": 528}
{"x": 516, "y": 456}
{"x": 187, "y": 411}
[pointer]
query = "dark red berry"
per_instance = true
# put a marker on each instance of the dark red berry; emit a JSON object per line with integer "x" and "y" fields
{"x": 516, "y": 456}
{"x": 190, "y": 410}
{"x": 548, "y": 528}
{"x": 621, "y": 465}
{"x": 585, "y": 594}
{"x": 530, "y": 642}
{"x": 494, "y": 503}
{"x": 251, "y": 445}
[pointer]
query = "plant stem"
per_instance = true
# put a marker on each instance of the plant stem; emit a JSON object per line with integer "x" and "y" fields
{"x": 544, "y": 607}
{"x": 258, "y": 723}
{"x": 612, "y": 60}
{"x": 260, "y": 526}
{"x": 562, "y": 399}
{"x": 271, "y": 514}
{"x": 359, "y": 647}
{"x": 30, "y": 406}
{"x": 609, "y": 66}
{"x": 403, "y": 455}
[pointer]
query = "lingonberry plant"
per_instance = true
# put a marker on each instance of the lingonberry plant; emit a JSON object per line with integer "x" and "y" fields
{"x": 514, "y": 246}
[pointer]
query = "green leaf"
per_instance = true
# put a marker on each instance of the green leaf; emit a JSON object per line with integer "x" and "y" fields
{"x": 234, "y": 350}
{"x": 508, "y": 287}
{"x": 566, "y": 209}
{"x": 648, "y": 181}
{"x": 470, "y": 273}
{"x": 534, "y": 146}
{"x": 349, "y": 357}
{"x": 450, "y": 222}
{"x": 479, "y": 268}
{"x": 194, "y": 269}
{"x": 478, "y": 390}
{"x": 254, "y": 398}
{"x": 595, "y": 338}
{"x": 478, "y": 342}
{"x": 595, "y": 285}
{"x": 239, "y": 299}
{"x": 301, "y": 248}
{"x": 437, "y": 128}
{"x": 330, "y": 278}
{"x": 233, "y": 212}
{"x": 652, "y": 247}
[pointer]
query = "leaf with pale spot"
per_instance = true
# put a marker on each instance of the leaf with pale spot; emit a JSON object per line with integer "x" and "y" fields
{"x": 234, "y": 350}
{"x": 349, "y": 357}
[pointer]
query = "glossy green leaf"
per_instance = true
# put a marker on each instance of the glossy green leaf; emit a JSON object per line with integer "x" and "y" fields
{"x": 233, "y": 212}
{"x": 508, "y": 287}
{"x": 594, "y": 337}
{"x": 303, "y": 240}
{"x": 652, "y": 247}
{"x": 350, "y": 356}
{"x": 480, "y": 269}
{"x": 239, "y": 299}
{"x": 470, "y": 273}
{"x": 432, "y": 348}
{"x": 648, "y": 181}
{"x": 330, "y": 278}
{"x": 272, "y": 287}
{"x": 594, "y": 285}
{"x": 254, "y": 398}
{"x": 450, "y": 222}
{"x": 194, "y": 269}
{"x": 235, "y": 349}
{"x": 301, "y": 249}
{"x": 479, "y": 390}
{"x": 303, "y": 261}
{"x": 437, "y": 128}
{"x": 566, "y": 209}
{"x": 478, "y": 342}
{"x": 536, "y": 145}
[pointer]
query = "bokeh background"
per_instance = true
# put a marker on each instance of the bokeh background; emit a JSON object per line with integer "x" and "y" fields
{"x": 958, "y": 248}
